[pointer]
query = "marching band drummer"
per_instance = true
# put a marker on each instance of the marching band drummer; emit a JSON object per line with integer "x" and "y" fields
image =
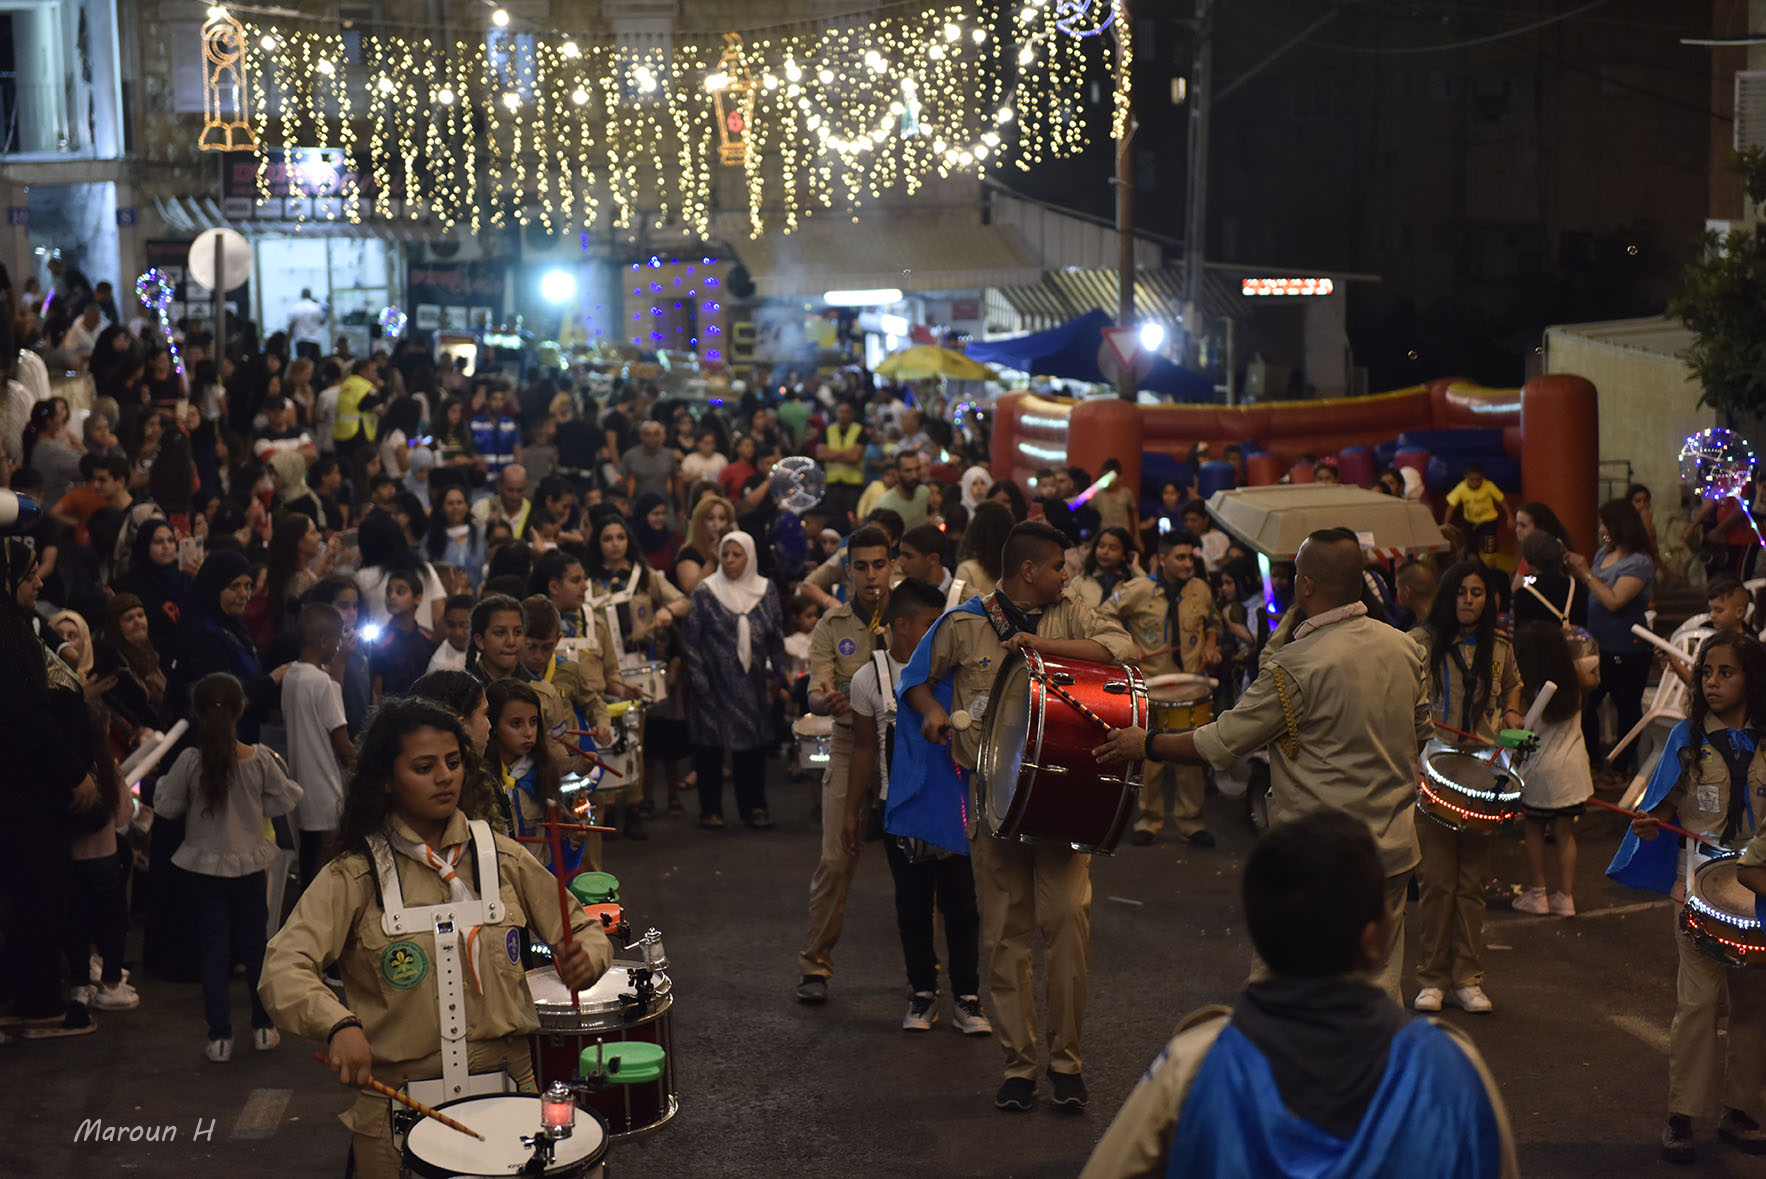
{"x": 1475, "y": 687}
{"x": 1175, "y": 627}
{"x": 420, "y": 912}
{"x": 839, "y": 647}
{"x": 1022, "y": 887}
{"x": 1343, "y": 708}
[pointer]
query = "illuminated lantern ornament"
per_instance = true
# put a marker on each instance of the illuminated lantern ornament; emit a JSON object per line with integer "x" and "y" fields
{"x": 1084, "y": 18}
{"x": 226, "y": 115}
{"x": 732, "y": 92}
{"x": 393, "y": 321}
{"x": 1717, "y": 463}
{"x": 154, "y": 290}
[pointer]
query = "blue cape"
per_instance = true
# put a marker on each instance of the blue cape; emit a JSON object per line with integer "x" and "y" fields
{"x": 1656, "y": 864}
{"x": 928, "y": 794}
{"x": 1235, "y": 1123}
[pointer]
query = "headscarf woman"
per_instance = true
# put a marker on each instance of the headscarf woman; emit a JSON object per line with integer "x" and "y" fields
{"x": 123, "y": 644}
{"x": 975, "y": 482}
{"x": 155, "y": 577}
{"x": 214, "y": 639}
{"x": 734, "y": 641}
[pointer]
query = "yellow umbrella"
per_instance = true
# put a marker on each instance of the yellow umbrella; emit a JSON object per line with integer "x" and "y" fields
{"x": 924, "y": 362}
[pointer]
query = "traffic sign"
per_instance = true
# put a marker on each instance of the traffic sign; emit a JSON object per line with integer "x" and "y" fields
{"x": 224, "y": 250}
{"x": 1122, "y": 354}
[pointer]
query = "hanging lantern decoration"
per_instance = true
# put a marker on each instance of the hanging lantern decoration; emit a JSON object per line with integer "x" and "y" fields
{"x": 393, "y": 321}
{"x": 154, "y": 290}
{"x": 226, "y": 115}
{"x": 732, "y": 92}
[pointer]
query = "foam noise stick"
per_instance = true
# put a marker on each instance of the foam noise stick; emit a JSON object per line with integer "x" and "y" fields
{"x": 961, "y": 720}
{"x": 1656, "y": 640}
{"x": 141, "y": 763}
{"x": 1104, "y": 481}
{"x": 1546, "y": 692}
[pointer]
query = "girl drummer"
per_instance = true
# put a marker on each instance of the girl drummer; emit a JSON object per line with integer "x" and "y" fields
{"x": 401, "y": 840}
{"x": 1475, "y": 688}
{"x": 1710, "y": 780}
{"x": 640, "y": 598}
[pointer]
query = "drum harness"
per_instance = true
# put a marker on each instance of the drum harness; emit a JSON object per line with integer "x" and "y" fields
{"x": 455, "y": 924}
{"x": 611, "y": 603}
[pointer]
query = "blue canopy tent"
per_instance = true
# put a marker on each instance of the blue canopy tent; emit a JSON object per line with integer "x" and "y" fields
{"x": 1071, "y": 351}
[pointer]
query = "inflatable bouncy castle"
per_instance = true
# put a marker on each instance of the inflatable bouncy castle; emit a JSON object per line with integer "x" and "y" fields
{"x": 1539, "y": 442}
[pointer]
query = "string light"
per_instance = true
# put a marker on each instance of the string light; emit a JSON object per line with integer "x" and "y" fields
{"x": 574, "y": 129}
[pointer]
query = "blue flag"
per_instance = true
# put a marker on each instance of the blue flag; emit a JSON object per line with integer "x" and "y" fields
{"x": 928, "y": 794}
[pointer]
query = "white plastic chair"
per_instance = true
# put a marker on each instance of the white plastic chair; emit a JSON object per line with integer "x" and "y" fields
{"x": 1667, "y": 708}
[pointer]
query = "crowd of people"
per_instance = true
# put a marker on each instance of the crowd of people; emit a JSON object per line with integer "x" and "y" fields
{"x": 372, "y": 611}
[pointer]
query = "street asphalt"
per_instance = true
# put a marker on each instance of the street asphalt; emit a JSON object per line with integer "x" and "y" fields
{"x": 771, "y": 1088}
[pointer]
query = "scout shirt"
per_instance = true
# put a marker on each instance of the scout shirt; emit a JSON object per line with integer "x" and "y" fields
{"x": 389, "y": 982}
{"x": 1452, "y": 691}
{"x": 1359, "y": 700}
{"x": 839, "y": 647}
{"x": 966, "y": 644}
{"x": 1697, "y": 780}
{"x": 644, "y": 603}
{"x": 1142, "y": 608}
{"x": 1138, "y": 1143}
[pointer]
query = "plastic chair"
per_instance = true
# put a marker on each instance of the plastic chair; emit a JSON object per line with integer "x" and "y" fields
{"x": 1667, "y": 708}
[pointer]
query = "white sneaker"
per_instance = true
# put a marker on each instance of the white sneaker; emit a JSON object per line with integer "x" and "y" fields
{"x": 922, "y": 1012}
{"x": 1563, "y": 905}
{"x": 970, "y": 1019}
{"x": 82, "y": 995}
{"x": 1427, "y": 999}
{"x": 96, "y": 973}
{"x": 264, "y": 1039}
{"x": 1472, "y": 999}
{"x": 1532, "y": 901}
{"x": 121, "y": 997}
{"x": 220, "y": 1051}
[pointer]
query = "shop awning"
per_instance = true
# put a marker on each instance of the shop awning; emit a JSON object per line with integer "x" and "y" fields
{"x": 193, "y": 214}
{"x": 947, "y": 253}
{"x": 1071, "y": 351}
{"x": 1064, "y": 295}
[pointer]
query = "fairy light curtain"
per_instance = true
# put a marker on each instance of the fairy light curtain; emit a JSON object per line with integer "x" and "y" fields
{"x": 577, "y": 133}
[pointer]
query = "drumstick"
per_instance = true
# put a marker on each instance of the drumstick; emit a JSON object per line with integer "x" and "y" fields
{"x": 1666, "y": 826}
{"x": 1460, "y": 732}
{"x": 409, "y": 1102}
{"x": 585, "y": 754}
{"x": 1074, "y": 704}
{"x": 961, "y": 720}
{"x": 557, "y": 842}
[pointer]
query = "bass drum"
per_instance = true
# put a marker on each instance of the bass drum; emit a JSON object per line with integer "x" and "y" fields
{"x": 1036, "y": 779}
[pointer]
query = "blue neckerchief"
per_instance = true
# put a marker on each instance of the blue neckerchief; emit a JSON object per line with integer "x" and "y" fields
{"x": 1234, "y": 1121}
{"x": 928, "y": 795}
{"x": 1655, "y": 865}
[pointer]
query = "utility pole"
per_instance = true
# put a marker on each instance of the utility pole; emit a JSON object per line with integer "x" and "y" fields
{"x": 1126, "y": 384}
{"x": 1196, "y": 185}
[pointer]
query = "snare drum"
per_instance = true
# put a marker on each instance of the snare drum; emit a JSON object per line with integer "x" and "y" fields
{"x": 815, "y": 742}
{"x": 625, "y": 753}
{"x": 616, "y": 1008}
{"x": 1036, "y": 779}
{"x": 648, "y": 677}
{"x": 1721, "y": 915}
{"x": 1472, "y": 788}
{"x": 1180, "y": 701}
{"x": 434, "y": 1151}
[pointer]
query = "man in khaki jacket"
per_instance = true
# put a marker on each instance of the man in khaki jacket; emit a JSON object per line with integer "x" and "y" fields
{"x": 1343, "y": 709}
{"x": 839, "y": 648}
{"x": 1023, "y": 887}
{"x": 1175, "y": 626}
{"x": 1313, "y": 1065}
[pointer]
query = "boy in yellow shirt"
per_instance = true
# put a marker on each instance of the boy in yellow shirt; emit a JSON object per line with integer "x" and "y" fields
{"x": 1480, "y": 504}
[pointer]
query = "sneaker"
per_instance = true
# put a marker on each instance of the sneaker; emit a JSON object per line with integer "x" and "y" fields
{"x": 1532, "y": 901}
{"x": 81, "y": 995}
{"x": 711, "y": 822}
{"x": 76, "y": 1022}
{"x": 1017, "y": 1095}
{"x": 1069, "y": 1092}
{"x": 813, "y": 990}
{"x": 1140, "y": 838}
{"x": 121, "y": 997}
{"x": 1741, "y": 1132}
{"x": 760, "y": 820}
{"x": 922, "y": 1012}
{"x": 97, "y": 970}
{"x": 1677, "y": 1139}
{"x": 1563, "y": 905}
{"x": 220, "y": 1051}
{"x": 970, "y": 1019}
{"x": 1200, "y": 839}
{"x": 1427, "y": 999}
{"x": 265, "y": 1039}
{"x": 1472, "y": 999}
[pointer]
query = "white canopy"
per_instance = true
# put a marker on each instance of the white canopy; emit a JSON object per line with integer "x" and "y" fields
{"x": 1274, "y": 520}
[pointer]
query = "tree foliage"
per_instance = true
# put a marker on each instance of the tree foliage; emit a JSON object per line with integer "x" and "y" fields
{"x": 1724, "y": 305}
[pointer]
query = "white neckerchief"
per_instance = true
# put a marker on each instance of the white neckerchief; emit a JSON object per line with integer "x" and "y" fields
{"x": 740, "y": 596}
{"x": 1327, "y": 617}
{"x": 459, "y": 893}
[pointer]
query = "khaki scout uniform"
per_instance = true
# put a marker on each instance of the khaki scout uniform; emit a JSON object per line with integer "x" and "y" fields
{"x": 1138, "y": 1143}
{"x": 1024, "y": 887}
{"x": 1346, "y": 737}
{"x": 390, "y": 981}
{"x": 588, "y": 664}
{"x": 1696, "y": 1073}
{"x": 1141, "y": 606}
{"x": 1455, "y": 864}
{"x": 839, "y": 648}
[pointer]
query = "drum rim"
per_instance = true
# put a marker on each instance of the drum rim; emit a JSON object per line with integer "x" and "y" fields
{"x": 428, "y": 1170}
{"x": 1704, "y": 908}
{"x": 1007, "y": 827}
{"x": 668, "y": 1115}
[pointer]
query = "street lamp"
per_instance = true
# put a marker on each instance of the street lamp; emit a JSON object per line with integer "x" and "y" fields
{"x": 1152, "y": 337}
{"x": 558, "y": 286}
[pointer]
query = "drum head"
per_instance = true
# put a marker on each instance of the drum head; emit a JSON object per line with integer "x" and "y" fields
{"x": 1004, "y": 739}
{"x": 503, "y": 1119}
{"x": 598, "y": 1007}
{"x": 1473, "y": 773}
{"x": 1715, "y": 887}
{"x": 811, "y": 725}
{"x": 1178, "y": 693}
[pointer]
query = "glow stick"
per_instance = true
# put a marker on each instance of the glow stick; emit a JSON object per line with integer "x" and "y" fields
{"x": 1108, "y": 478}
{"x": 160, "y": 748}
{"x": 1650, "y": 636}
{"x": 1531, "y": 721}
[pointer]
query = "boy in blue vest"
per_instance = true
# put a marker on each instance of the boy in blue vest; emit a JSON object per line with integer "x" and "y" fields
{"x": 1314, "y": 1070}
